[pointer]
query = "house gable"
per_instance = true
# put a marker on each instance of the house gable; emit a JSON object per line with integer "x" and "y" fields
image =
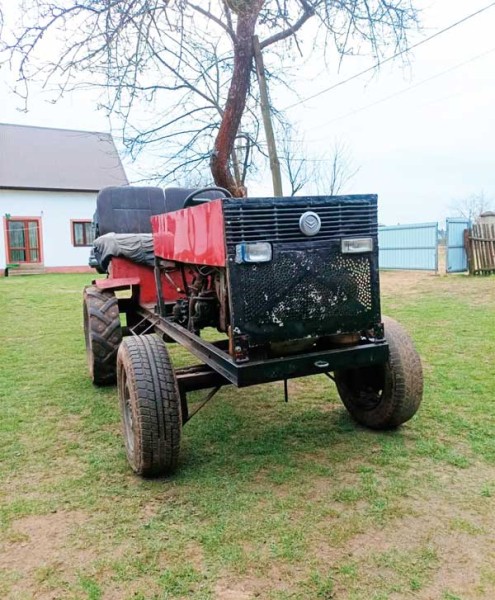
{"x": 40, "y": 158}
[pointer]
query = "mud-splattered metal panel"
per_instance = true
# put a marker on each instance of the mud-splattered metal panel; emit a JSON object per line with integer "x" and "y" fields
{"x": 309, "y": 288}
{"x": 304, "y": 291}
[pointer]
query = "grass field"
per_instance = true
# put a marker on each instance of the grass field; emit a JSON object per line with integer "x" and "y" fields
{"x": 272, "y": 500}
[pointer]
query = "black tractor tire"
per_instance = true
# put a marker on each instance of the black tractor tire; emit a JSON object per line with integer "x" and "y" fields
{"x": 385, "y": 396}
{"x": 150, "y": 406}
{"x": 102, "y": 333}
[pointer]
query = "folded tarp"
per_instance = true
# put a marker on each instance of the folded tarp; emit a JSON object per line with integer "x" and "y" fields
{"x": 137, "y": 247}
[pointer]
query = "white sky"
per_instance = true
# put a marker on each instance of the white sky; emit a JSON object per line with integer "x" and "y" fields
{"x": 418, "y": 150}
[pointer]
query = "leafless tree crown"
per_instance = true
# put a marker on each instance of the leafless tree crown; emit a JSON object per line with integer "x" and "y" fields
{"x": 326, "y": 174}
{"x": 471, "y": 207}
{"x": 189, "y": 65}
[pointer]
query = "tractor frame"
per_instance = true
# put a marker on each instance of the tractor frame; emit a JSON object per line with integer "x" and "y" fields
{"x": 376, "y": 369}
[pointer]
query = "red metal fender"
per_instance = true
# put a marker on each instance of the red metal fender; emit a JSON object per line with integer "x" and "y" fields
{"x": 117, "y": 284}
{"x": 125, "y": 274}
{"x": 191, "y": 235}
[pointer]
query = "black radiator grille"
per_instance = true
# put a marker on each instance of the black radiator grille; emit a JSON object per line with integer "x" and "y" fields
{"x": 245, "y": 222}
{"x": 314, "y": 286}
{"x": 304, "y": 292}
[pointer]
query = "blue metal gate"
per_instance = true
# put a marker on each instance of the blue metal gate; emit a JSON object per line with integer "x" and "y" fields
{"x": 409, "y": 247}
{"x": 456, "y": 253}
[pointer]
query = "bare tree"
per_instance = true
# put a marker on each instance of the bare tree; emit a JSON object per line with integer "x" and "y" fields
{"x": 297, "y": 166}
{"x": 322, "y": 174}
{"x": 190, "y": 62}
{"x": 471, "y": 207}
{"x": 339, "y": 171}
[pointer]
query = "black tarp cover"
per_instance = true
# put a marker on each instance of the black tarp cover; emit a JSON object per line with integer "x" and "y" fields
{"x": 137, "y": 247}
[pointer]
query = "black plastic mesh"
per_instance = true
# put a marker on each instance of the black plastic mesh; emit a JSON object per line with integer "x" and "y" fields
{"x": 305, "y": 292}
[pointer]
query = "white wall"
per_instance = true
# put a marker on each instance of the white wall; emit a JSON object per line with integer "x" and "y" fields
{"x": 56, "y": 210}
{"x": 3, "y": 258}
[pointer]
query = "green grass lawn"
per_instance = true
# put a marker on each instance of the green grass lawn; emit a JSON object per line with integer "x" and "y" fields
{"x": 271, "y": 500}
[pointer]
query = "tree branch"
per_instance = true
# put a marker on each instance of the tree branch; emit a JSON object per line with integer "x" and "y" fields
{"x": 308, "y": 12}
{"x": 212, "y": 17}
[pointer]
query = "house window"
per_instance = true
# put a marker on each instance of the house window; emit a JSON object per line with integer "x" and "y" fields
{"x": 82, "y": 233}
{"x": 23, "y": 240}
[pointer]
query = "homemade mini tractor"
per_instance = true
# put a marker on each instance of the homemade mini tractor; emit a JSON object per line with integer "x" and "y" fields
{"x": 290, "y": 284}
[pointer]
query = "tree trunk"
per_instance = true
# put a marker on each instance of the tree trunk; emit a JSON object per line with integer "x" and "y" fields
{"x": 236, "y": 101}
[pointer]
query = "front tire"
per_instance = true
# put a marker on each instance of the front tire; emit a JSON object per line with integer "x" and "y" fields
{"x": 385, "y": 396}
{"x": 150, "y": 405}
{"x": 102, "y": 333}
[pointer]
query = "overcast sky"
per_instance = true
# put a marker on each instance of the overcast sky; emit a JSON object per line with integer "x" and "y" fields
{"x": 431, "y": 143}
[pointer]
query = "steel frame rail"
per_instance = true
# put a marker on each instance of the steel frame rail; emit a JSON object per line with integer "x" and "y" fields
{"x": 254, "y": 372}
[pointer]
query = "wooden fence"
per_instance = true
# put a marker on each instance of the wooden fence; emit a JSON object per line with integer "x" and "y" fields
{"x": 480, "y": 248}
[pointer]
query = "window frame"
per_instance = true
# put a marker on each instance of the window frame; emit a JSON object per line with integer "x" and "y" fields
{"x": 27, "y": 248}
{"x": 73, "y": 223}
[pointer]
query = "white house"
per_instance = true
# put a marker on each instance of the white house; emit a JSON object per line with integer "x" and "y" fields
{"x": 49, "y": 179}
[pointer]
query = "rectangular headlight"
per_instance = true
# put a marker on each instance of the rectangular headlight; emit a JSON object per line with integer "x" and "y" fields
{"x": 357, "y": 245}
{"x": 256, "y": 252}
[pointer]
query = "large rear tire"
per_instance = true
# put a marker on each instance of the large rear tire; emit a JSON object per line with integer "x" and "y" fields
{"x": 150, "y": 405}
{"x": 102, "y": 333}
{"x": 385, "y": 396}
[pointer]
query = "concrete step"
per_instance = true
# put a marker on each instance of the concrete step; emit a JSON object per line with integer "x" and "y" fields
{"x": 28, "y": 269}
{"x": 20, "y": 273}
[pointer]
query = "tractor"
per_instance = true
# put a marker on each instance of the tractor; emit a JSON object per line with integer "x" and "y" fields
{"x": 290, "y": 284}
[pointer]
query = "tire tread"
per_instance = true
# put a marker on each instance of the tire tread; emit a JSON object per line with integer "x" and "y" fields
{"x": 404, "y": 388}
{"x": 156, "y": 404}
{"x": 103, "y": 334}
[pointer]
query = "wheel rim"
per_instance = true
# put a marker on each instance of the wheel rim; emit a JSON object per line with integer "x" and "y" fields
{"x": 366, "y": 386}
{"x": 128, "y": 418}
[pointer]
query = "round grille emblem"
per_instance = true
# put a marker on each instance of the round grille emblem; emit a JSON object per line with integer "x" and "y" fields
{"x": 310, "y": 223}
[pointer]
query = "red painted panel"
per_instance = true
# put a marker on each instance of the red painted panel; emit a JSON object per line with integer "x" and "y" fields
{"x": 192, "y": 235}
{"x": 123, "y": 270}
{"x": 117, "y": 284}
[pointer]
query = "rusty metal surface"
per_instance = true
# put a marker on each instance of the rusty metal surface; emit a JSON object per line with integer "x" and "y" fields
{"x": 309, "y": 288}
{"x": 117, "y": 283}
{"x": 264, "y": 370}
{"x": 143, "y": 276}
{"x": 199, "y": 377}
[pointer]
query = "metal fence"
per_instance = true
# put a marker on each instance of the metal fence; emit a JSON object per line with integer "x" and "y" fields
{"x": 416, "y": 247}
{"x": 409, "y": 247}
{"x": 456, "y": 252}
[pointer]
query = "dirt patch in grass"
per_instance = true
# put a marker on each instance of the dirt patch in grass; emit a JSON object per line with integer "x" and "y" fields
{"x": 406, "y": 285}
{"x": 276, "y": 580}
{"x": 145, "y": 587}
{"x": 41, "y": 538}
{"x": 442, "y": 544}
{"x": 462, "y": 562}
{"x": 41, "y": 545}
{"x": 238, "y": 591}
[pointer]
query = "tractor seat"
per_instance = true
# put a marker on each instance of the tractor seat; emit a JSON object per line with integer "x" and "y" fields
{"x": 128, "y": 209}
